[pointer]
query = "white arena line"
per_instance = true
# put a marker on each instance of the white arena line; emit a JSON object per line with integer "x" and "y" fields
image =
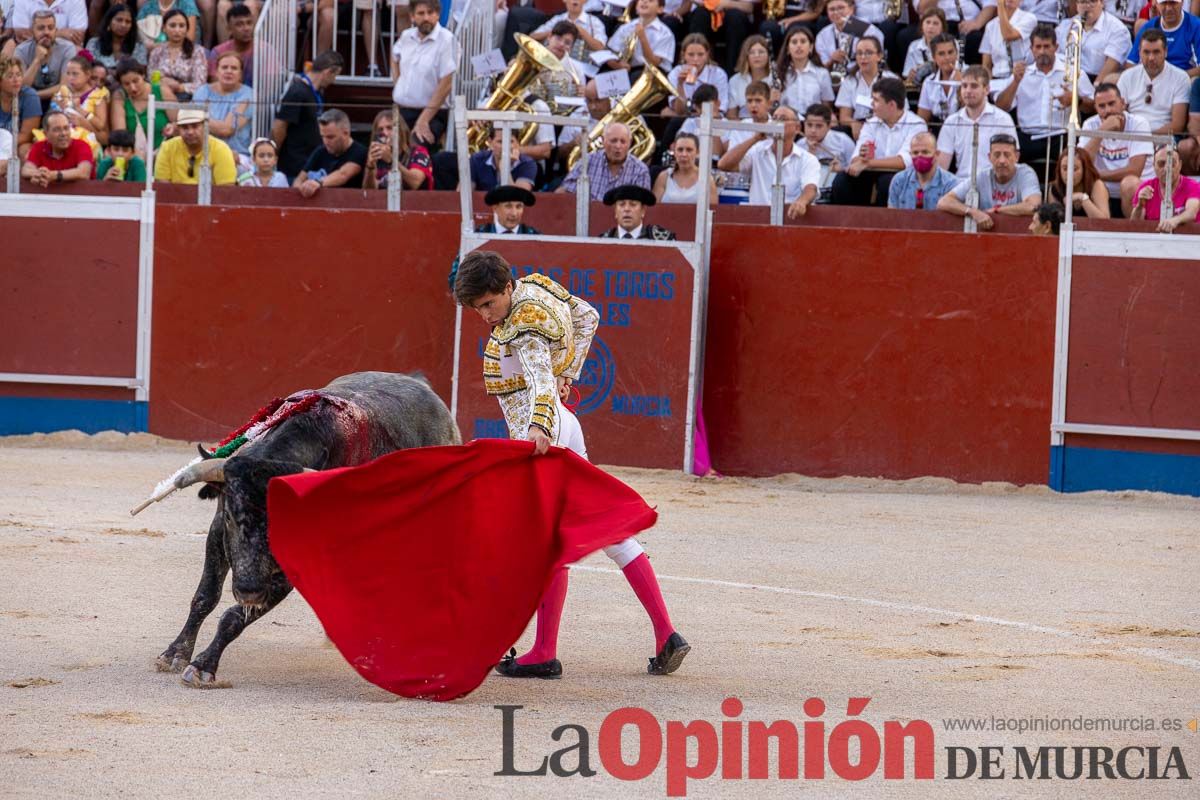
{"x": 1154, "y": 653}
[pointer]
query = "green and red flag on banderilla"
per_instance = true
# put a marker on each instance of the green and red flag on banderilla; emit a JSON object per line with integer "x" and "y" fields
{"x": 426, "y": 565}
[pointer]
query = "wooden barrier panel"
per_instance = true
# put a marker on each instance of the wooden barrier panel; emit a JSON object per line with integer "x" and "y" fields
{"x": 894, "y": 355}
{"x": 253, "y": 303}
{"x": 1134, "y": 347}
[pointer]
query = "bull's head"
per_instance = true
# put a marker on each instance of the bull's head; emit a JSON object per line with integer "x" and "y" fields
{"x": 240, "y": 484}
{"x": 244, "y": 509}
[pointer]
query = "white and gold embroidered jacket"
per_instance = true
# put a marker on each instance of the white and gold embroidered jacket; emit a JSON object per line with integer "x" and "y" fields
{"x": 547, "y": 333}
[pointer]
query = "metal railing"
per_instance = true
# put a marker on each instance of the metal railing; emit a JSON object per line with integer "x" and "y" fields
{"x": 274, "y": 60}
{"x": 14, "y": 158}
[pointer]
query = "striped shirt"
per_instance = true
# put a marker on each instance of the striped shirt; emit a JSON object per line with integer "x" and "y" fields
{"x": 602, "y": 178}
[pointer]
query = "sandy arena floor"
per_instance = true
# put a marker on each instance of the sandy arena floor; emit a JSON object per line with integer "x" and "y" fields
{"x": 935, "y": 600}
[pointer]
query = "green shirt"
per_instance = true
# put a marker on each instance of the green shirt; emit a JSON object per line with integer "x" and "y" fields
{"x": 135, "y": 169}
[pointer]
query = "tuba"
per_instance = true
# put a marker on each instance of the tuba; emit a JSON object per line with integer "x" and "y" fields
{"x": 647, "y": 90}
{"x": 509, "y": 94}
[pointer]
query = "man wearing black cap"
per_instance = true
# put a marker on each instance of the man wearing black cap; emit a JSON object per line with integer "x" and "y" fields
{"x": 631, "y": 202}
{"x": 508, "y": 204}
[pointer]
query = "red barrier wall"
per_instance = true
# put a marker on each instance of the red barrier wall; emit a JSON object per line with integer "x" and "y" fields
{"x": 251, "y": 303}
{"x": 68, "y": 299}
{"x": 899, "y": 355}
{"x": 633, "y": 403}
{"x": 1134, "y": 350}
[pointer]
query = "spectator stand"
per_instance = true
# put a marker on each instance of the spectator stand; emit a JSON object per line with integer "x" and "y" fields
{"x": 1132, "y": 292}
{"x": 643, "y": 375}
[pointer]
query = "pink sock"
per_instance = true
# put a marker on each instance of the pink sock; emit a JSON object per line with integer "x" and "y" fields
{"x": 641, "y": 577}
{"x": 549, "y": 614}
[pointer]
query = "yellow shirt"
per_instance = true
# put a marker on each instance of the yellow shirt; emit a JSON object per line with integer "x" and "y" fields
{"x": 171, "y": 163}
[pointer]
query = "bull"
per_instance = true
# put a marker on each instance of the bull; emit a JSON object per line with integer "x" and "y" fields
{"x": 389, "y": 412}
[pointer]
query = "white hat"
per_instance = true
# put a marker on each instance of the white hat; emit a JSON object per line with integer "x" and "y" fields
{"x": 190, "y": 116}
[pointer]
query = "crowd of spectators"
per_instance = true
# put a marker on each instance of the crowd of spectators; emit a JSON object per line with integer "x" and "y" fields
{"x": 956, "y": 105}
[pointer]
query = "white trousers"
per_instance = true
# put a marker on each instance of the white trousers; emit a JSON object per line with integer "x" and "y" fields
{"x": 570, "y": 435}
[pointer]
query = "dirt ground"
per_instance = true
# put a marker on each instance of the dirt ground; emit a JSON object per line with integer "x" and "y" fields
{"x": 935, "y": 600}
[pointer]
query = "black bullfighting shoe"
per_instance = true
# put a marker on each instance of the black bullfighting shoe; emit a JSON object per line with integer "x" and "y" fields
{"x": 670, "y": 657}
{"x": 509, "y": 667}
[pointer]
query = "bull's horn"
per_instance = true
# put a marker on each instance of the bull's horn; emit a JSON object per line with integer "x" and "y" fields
{"x": 210, "y": 471}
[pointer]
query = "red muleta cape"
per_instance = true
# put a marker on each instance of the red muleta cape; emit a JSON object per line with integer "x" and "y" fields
{"x": 426, "y": 565}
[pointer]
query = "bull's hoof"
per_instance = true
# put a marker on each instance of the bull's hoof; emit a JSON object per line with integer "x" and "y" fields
{"x": 168, "y": 662}
{"x": 195, "y": 678}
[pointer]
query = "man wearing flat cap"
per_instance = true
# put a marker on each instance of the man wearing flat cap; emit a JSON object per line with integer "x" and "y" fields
{"x": 631, "y": 202}
{"x": 179, "y": 159}
{"x": 508, "y": 204}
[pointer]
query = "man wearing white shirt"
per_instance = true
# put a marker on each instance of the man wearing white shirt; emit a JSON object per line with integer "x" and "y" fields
{"x": 883, "y": 147}
{"x": 954, "y": 139}
{"x": 591, "y": 34}
{"x": 1155, "y": 89}
{"x": 1118, "y": 161}
{"x": 656, "y": 43}
{"x": 424, "y": 60}
{"x": 800, "y": 172}
{"x": 70, "y": 17}
{"x": 1042, "y": 96}
{"x": 1106, "y": 40}
{"x": 1006, "y": 38}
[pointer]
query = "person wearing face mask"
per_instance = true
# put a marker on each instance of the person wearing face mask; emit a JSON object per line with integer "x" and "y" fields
{"x": 922, "y": 184}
